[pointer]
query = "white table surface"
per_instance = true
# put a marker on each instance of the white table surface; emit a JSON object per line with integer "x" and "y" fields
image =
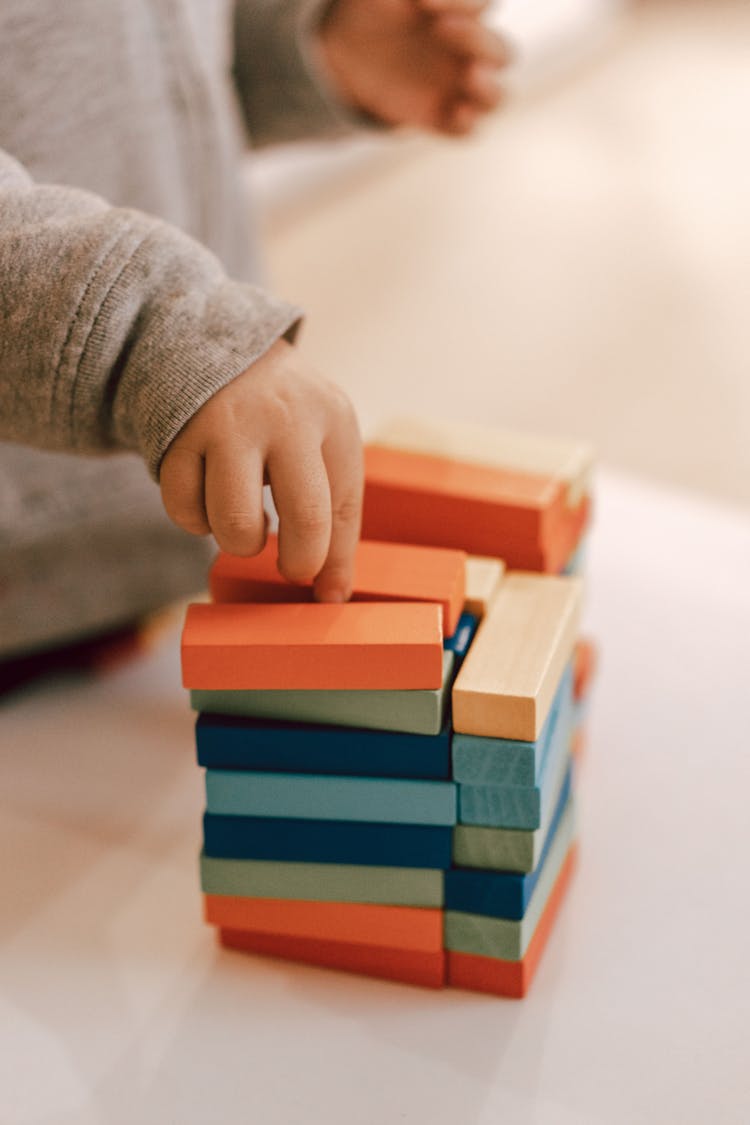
{"x": 116, "y": 1005}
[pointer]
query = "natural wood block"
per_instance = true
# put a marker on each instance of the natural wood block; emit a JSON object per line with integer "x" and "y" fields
{"x": 382, "y": 572}
{"x": 389, "y": 645}
{"x": 405, "y": 965}
{"x": 483, "y": 578}
{"x": 323, "y": 882}
{"x": 507, "y": 761}
{"x": 415, "y": 712}
{"x": 512, "y": 978}
{"x": 416, "y": 498}
{"x": 397, "y": 927}
{"x": 570, "y": 462}
{"x": 509, "y": 678}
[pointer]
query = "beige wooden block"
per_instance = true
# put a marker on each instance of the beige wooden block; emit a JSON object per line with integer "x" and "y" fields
{"x": 509, "y": 677}
{"x": 568, "y": 461}
{"x": 483, "y": 578}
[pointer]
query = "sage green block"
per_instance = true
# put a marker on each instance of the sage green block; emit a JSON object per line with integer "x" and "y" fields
{"x": 501, "y": 937}
{"x": 415, "y": 712}
{"x": 503, "y": 849}
{"x": 323, "y": 882}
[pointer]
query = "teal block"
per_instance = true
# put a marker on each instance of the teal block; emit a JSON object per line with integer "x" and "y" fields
{"x": 501, "y": 937}
{"x": 523, "y": 807}
{"x": 323, "y": 882}
{"x": 309, "y": 797}
{"x": 505, "y": 761}
{"x": 414, "y": 712}
{"x": 504, "y": 849}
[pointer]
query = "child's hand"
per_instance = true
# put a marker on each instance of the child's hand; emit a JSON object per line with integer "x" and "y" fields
{"x": 280, "y": 422}
{"x": 428, "y": 63}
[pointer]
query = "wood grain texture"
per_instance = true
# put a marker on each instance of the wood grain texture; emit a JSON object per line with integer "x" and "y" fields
{"x": 570, "y": 462}
{"x": 382, "y": 572}
{"x": 521, "y": 518}
{"x": 383, "y": 646}
{"x": 509, "y": 678}
{"x": 483, "y": 578}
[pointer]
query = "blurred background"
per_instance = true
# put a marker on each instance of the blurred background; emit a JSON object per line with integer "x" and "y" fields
{"x": 581, "y": 266}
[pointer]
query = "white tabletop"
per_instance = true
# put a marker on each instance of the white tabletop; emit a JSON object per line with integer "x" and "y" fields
{"x": 116, "y": 1005}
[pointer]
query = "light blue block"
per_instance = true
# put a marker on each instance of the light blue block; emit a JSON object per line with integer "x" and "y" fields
{"x": 308, "y": 797}
{"x": 415, "y": 711}
{"x": 523, "y": 807}
{"x": 504, "y": 761}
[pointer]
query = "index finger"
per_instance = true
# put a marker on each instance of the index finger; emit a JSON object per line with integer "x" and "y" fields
{"x": 344, "y": 460}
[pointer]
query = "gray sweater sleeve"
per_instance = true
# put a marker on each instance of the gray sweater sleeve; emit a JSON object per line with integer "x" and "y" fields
{"x": 114, "y": 326}
{"x": 283, "y": 88}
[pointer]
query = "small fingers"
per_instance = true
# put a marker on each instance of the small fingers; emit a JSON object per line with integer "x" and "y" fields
{"x": 460, "y": 119}
{"x": 481, "y": 87}
{"x": 301, "y": 493}
{"x": 181, "y": 480}
{"x": 473, "y": 40}
{"x": 342, "y": 452}
{"x": 234, "y": 498}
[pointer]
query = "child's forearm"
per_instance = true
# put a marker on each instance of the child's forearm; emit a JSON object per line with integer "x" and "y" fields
{"x": 114, "y": 326}
{"x": 119, "y": 332}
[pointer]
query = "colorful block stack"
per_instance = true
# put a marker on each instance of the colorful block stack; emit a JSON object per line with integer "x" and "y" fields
{"x": 349, "y": 822}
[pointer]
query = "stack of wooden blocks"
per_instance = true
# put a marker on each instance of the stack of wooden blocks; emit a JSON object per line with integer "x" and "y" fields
{"x": 388, "y": 787}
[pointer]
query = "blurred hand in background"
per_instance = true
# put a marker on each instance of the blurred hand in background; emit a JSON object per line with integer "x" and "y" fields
{"x": 432, "y": 64}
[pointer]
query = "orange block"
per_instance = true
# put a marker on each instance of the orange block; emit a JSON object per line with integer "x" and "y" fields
{"x": 512, "y": 978}
{"x": 396, "y": 927}
{"x": 387, "y": 646}
{"x": 584, "y": 667}
{"x": 519, "y": 517}
{"x": 382, "y": 572}
{"x": 412, "y": 967}
{"x": 578, "y": 743}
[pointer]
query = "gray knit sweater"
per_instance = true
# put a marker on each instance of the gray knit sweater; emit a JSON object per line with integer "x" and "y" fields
{"x": 124, "y": 259}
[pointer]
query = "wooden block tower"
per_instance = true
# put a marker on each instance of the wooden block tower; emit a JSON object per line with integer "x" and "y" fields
{"x": 389, "y": 783}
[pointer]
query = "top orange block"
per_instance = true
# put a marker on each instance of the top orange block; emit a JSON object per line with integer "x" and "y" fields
{"x": 520, "y": 517}
{"x": 382, "y": 572}
{"x": 385, "y": 646}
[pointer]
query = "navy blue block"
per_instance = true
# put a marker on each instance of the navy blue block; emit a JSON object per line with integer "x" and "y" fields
{"x": 501, "y": 894}
{"x": 326, "y": 841}
{"x": 460, "y": 642}
{"x": 227, "y": 742}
